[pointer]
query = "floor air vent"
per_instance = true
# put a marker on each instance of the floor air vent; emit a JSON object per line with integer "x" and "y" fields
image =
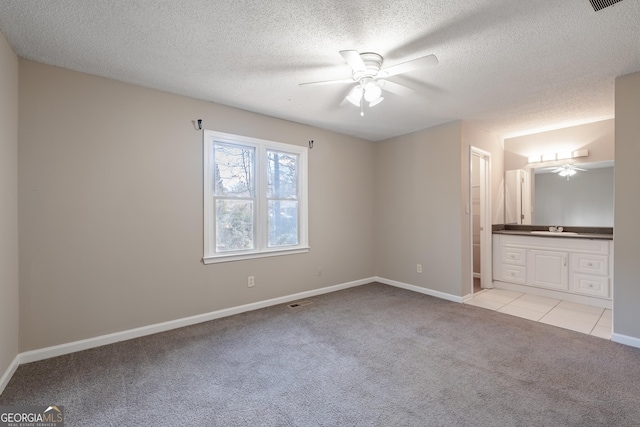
{"x": 601, "y": 4}
{"x": 298, "y": 304}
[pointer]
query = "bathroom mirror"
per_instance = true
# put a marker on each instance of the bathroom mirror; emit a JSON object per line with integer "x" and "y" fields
{"x": 578, "y": 195}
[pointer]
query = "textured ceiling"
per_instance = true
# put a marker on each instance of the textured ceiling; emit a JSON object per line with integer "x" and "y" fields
{"x": 510, "y": 67}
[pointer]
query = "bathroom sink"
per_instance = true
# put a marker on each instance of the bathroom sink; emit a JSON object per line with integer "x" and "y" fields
{"x": 554, "y": 233}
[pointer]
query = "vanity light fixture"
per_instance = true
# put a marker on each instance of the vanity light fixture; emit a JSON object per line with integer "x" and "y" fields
{"x": 548, "y": 157}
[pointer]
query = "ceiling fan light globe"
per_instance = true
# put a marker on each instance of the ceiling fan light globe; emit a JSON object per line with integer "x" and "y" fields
{"x": 355, "y": 96}
{"x": 372, "y": 92}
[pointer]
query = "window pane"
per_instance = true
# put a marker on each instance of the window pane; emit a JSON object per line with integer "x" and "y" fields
{"x": 233, "y": 170}
{"x": 234, "y": 225}
{"x": 283, "y": 223}
{"x": 283, "y": 175}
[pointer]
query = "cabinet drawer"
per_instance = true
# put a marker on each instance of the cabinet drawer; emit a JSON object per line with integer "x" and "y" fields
{"x": 591, "y": 285}
{"x": 514, "y": 274}
{"x": 515, "y": 256}
{"x": 590, "y": 264}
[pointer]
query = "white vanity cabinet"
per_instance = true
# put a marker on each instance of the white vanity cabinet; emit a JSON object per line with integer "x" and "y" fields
{"x": 574, "y": 269}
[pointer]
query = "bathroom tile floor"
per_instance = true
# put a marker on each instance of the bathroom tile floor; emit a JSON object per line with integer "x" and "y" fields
{"x": 563, "y": 314}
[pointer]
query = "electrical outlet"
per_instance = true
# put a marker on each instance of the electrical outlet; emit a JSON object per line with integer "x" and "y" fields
{"x": 419, "y": 268}
{"x": 251, "y": 281}
{"x": 319, "y": 272}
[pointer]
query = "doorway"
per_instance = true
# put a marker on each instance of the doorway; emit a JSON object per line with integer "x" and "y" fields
{"x": 480, "y": 218}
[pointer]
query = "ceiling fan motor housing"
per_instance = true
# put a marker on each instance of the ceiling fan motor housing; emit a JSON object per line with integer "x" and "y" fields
{"x": 372, "y": 62}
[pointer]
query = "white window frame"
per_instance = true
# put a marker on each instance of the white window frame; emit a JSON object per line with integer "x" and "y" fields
{"x": 261, "y": 215}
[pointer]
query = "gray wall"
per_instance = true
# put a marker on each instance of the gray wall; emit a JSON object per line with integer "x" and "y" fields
{"x": 9, "y": 292}
{"x": 586, "y": 199}
{"x": 626, "y": 297}
{"x": 110, "y": 203}
{"x": 417, "y": 208}
{"x": 422, "y": 186}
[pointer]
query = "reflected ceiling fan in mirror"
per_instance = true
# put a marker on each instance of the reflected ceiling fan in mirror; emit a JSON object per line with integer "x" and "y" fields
{"x": 370, "y": 78}
{"x": 567, "y": 170}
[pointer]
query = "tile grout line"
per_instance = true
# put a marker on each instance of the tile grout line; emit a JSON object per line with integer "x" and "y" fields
{"x": 548, "y": 312}
{"x": 597, "y": 321}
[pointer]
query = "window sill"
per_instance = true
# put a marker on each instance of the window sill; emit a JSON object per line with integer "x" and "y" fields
{"x": 240, "y": 257}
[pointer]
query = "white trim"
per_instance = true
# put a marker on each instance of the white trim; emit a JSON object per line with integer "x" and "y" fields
{"x": 4, "y": 380}
{"x": 626, "y": 340}
{"x": 265, "y": 254}
{"x": 486, "y": 263}
{"x": 419, "y": 289}
{"x": 59, "y": 350}
{"x": 260, "y": 201}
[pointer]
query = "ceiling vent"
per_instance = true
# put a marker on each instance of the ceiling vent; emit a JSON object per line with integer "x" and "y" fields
{"x": 601, "y": 4}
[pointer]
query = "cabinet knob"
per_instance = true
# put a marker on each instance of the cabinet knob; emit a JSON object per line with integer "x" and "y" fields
{"x": 590, "y": 264}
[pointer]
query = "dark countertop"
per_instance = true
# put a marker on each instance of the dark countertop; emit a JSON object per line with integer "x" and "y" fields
{"x": 592, "y": 236}
{"x": 593, "y": 233}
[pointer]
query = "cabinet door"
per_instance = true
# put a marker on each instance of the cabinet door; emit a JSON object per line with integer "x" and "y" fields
{"x": 548, "y": 269}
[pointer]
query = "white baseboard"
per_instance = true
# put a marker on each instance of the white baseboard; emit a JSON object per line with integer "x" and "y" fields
{"x": 4, "y": 380}
{"x": 626, "y": 340}
{"x": 59, "y": 350}
{"x": 419, "y": 289}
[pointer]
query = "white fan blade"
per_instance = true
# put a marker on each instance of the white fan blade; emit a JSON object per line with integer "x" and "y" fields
{"x": 328, "y": 82}
{"x": 395, "y": 88}
{"x": 579, "y": 169}
{"x": 556, "y": 170}
{"x": 353, "y": 59}
{"x": 414, "y": 64}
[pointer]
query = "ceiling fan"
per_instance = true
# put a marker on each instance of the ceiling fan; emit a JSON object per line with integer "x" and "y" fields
{"x": 369, "y": 77}
{"x": 567, "y": 170}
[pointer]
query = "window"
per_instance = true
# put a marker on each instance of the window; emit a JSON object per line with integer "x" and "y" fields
{"x": 255, "y": 198}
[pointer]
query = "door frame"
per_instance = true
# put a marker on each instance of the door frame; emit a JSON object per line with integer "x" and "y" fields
{"x": 485, "y": 216}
